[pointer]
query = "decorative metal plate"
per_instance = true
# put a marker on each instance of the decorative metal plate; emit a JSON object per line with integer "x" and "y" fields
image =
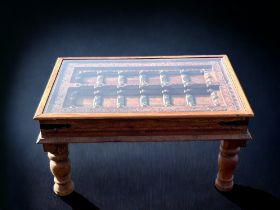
{"x": 143, "y": 85}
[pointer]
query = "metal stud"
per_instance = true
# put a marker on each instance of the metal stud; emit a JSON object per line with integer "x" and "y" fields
{"x": 166, "y": 98}
{"x": 143, "y": 99}
{"x": 120, "y": 101}
{"x": 143, "y": 79}
{"x": 185, "y": 77}
{"x": 163, "y": 79}
{"x": 100, "y": 79}
{"x": 190, "y": 100}
{"x": 214, "y": 97}
{"x": 97, "y": 101}
{"x": 122, "y": 80}
{"x": 208, "y": 77}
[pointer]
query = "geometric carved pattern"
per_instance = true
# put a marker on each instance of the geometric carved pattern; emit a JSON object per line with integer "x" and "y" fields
{"x": 149, "y": 85}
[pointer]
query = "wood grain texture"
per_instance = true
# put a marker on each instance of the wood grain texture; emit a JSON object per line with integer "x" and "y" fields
{"x": 216, "y": 137}
{"x": 238, "y": 85}
{"x": 48, "y": 88}
{"x": 158, "y": 125}
{"x": 143, "y": 127}
{"x": 60, "y": 167}
{"x": 247, "y": 113}
{"x": 140, "y": 57}
{"x": 227, "y": 162}
{"x": 56, "y": 116}
{"x": 59, "y": 129}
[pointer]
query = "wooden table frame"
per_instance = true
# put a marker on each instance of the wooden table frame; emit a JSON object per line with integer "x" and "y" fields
{"x": 58, "y": 129}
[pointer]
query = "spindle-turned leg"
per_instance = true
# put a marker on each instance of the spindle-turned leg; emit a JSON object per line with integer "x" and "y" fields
{"x": 227, "y": 162}
{"x": 60, "y": 167}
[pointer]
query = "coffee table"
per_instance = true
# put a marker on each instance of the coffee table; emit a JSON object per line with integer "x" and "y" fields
{"x": 142, "y": 99}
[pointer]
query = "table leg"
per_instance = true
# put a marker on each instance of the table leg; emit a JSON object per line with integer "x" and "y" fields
{"x": 60, "y": 167}
{"x": 227, "y": 162}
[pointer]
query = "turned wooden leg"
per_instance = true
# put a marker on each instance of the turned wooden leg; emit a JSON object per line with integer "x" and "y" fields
{"x": 60, "y": 167}
{"x": 227, "y": 162}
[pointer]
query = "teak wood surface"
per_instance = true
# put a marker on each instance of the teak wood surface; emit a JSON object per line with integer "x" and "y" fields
{"x": 69, "y": 127}
{"x": 60, "y": 129}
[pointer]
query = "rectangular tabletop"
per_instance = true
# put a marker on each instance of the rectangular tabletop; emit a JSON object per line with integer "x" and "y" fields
{"x": 188, "y": 97}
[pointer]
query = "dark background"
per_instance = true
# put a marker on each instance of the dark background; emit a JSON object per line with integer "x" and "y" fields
{"x": 142, "y": 176}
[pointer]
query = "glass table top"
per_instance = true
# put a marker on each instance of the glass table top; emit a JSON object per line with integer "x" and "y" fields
{"x": 143, "y": 85}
